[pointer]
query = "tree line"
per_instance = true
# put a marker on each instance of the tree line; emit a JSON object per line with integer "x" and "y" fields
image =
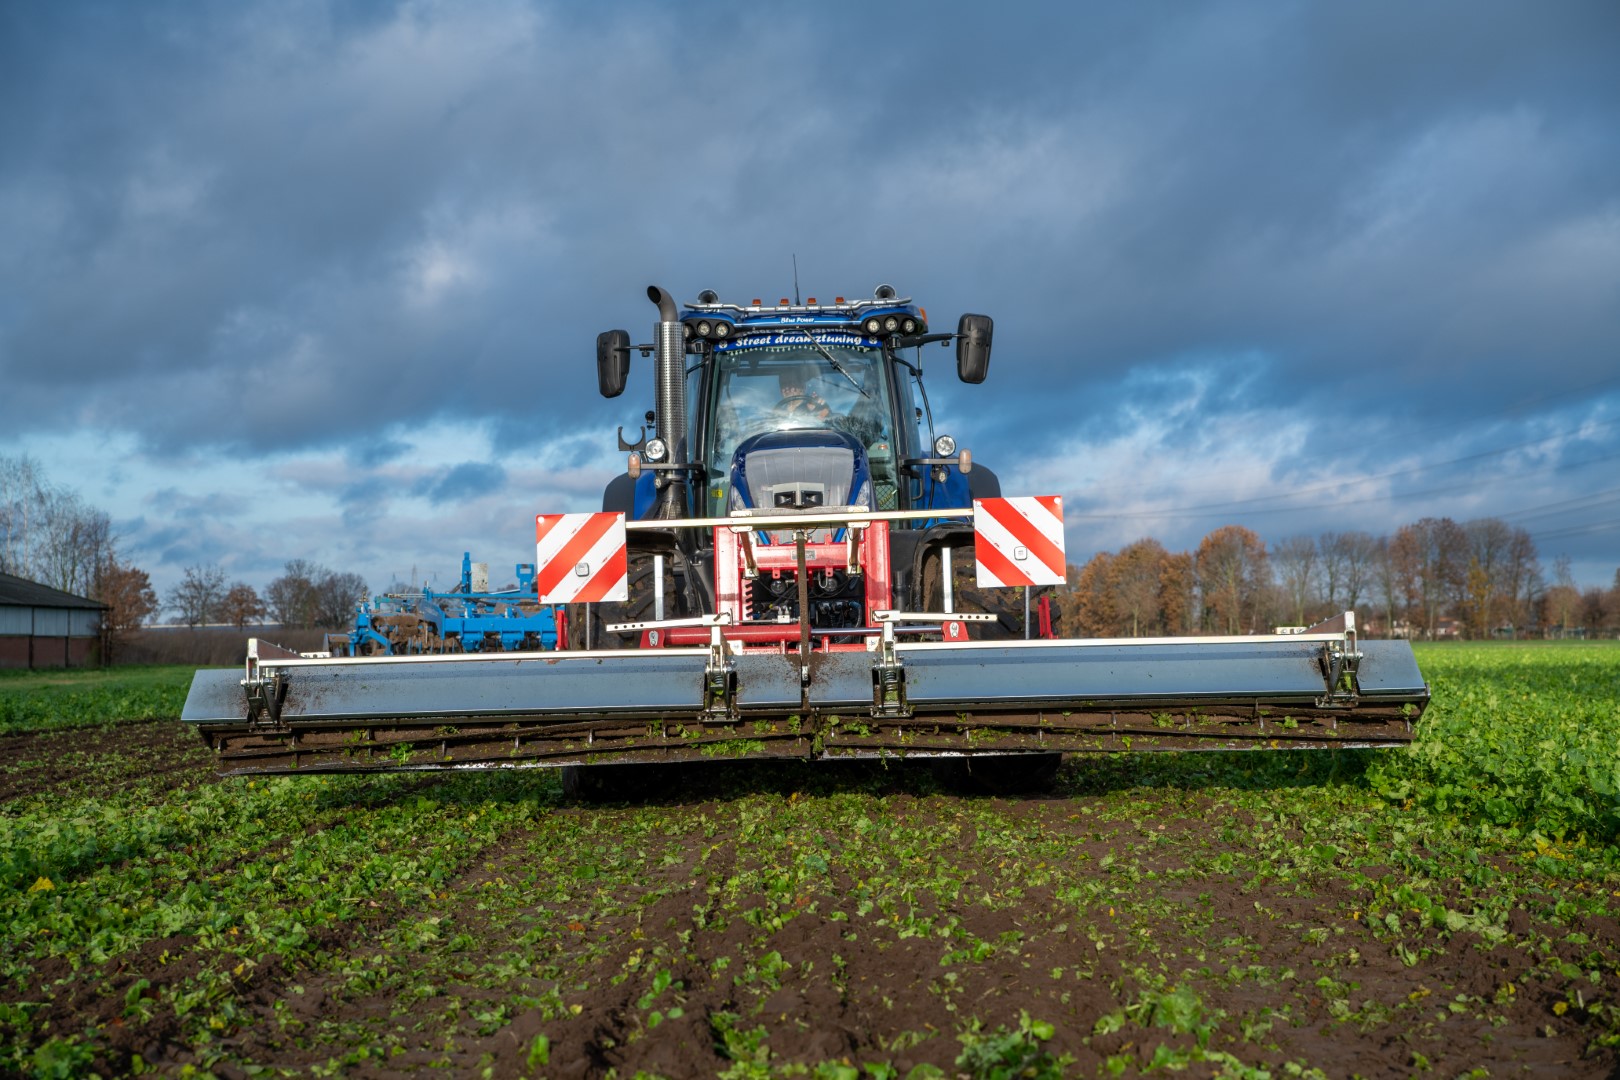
{"x": 1431, "y": 578}
{"x": 50, "y": 534}
{"x": 306, "y": 595}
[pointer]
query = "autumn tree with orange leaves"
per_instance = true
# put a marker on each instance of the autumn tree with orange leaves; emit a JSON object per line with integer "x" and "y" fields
{"x": 1233, "y": 577}
{"x": 1143, "y": 591}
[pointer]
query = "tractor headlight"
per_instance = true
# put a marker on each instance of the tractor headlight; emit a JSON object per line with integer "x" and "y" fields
{"x": 703, "y": 329}
{"x": 909, "y": 326}
{"x": 735, "y": 502}
{"x": 891, "y": 324}
{"x": 863, "y": 497}
{"x": 721, "y": 329}
{"x": 656, "y": 449}
{"x": 944, "y": 446}
{"x": 873, "y": 325}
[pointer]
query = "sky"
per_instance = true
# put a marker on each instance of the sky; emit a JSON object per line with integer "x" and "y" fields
{"x": 322, "y": 280}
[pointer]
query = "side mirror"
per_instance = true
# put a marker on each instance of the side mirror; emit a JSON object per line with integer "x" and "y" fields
{"x": 973, "y": 335}
{"x": 612, "y": 361}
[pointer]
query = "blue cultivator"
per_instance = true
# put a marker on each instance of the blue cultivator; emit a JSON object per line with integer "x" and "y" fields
{"x": 468, "y": 618}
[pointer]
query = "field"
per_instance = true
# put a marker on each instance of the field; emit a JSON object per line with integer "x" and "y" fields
{"x": 1445, "y": 911}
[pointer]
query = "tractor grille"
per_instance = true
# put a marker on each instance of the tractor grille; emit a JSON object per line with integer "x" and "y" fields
{"x": 795, "y": 477}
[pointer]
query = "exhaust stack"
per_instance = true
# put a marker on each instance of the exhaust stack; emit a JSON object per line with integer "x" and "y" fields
{"x": 670, "y": 374}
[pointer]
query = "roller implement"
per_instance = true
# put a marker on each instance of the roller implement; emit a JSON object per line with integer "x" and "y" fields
{"x": 795, "y": 564}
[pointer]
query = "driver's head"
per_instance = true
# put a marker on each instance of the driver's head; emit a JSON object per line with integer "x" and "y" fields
{"x": 794, "y": 381}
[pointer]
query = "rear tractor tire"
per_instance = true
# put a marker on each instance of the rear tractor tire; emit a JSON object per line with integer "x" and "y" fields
{"x": 1007, "y": 605}
{"x": 585, "y": 621}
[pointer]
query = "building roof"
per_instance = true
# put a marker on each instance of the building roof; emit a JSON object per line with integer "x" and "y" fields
{"x": 20, "y": 592}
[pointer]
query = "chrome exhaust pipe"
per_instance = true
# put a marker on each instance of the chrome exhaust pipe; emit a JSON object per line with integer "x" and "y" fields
{"x": 670, "y": 375}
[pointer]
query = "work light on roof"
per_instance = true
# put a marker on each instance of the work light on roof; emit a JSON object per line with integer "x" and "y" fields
{"x": 711, "y": 329}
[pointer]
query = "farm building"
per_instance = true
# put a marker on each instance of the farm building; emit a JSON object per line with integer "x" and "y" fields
{"x": 45, "y": 627}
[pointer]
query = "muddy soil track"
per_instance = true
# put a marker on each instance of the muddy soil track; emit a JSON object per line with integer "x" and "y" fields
{"x": 739, "y": 924}
{"x": 162, "y": 753}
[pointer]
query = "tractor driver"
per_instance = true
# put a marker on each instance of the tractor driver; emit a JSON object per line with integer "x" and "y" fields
{"x": 803, "y": 404}
{"x": 798, "y": 400}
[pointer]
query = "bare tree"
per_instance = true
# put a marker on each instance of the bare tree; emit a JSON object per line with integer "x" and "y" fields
{"x": 309, "y": 594}
{"x": 1388, "y": 579}
{"x": 1611, "y": 608}
{"x": 1489, "y": 541}
{"x": 1521, "y": 577}
{"x": 1592, "y": 610}
{"x": 340, "y": 594}
{"x": 1360, "y": 553}
{"x": 240, "y": 605}
{"x": 1430, "y": 558}
{"x": 196, "y": 598}
{"x": 75, "y": 539}
{"x": 22, "y": 491}
{"x": 1295, "y": 560}
{"x": 291, "y": 597}
{"x": 49, "y": 533}
{"x": 1333, "y": 555}
{"x": 1561, "y": 604}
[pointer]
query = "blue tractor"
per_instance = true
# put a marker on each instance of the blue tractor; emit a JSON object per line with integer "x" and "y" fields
{"x": 792, "y": 407}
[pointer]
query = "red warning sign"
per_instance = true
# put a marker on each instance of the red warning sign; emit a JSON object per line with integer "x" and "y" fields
{"x": 1019, "y": 541}
{"x": 580, "y": 558}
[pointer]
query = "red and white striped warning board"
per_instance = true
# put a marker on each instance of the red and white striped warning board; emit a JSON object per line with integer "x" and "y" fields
{"x": 580, "y": 558}
{"x": 1019, "y": 541}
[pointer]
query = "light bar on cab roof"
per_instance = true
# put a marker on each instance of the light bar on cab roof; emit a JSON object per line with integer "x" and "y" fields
{"x": 885, "y": 315}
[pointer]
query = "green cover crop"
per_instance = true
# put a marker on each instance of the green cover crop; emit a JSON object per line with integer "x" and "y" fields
{"x": 1440, "y": 910}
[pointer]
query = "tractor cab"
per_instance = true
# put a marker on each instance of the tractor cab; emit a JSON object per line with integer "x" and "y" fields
{"x": 807, "y": 417}
{"x": 756, "y": 369}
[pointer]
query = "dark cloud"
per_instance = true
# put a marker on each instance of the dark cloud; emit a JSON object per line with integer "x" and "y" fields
{"x": 377, "y": 451}
{"x": 293, "y": 229}
{"x": 469, "y": 480}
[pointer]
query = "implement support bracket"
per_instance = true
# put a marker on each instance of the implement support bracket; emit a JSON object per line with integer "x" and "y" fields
{"x": 1341, "y": 662}
{"x": 888, "y": 673}
{"x": 265, "y": 690}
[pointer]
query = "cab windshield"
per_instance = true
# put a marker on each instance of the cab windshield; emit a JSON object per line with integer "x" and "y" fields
{"x": 788, "y": 380}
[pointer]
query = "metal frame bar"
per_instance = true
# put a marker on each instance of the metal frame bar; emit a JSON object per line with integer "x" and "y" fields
{"x": 853, "y": 518}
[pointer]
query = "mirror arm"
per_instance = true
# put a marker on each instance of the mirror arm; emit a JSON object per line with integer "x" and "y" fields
{"x": 922, "y": 339}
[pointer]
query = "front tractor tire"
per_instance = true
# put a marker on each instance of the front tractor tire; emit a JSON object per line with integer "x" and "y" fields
{"x": 999, "y": 774}
{"x": 1007, "y": 605}
{"x": 607, "y": 782}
